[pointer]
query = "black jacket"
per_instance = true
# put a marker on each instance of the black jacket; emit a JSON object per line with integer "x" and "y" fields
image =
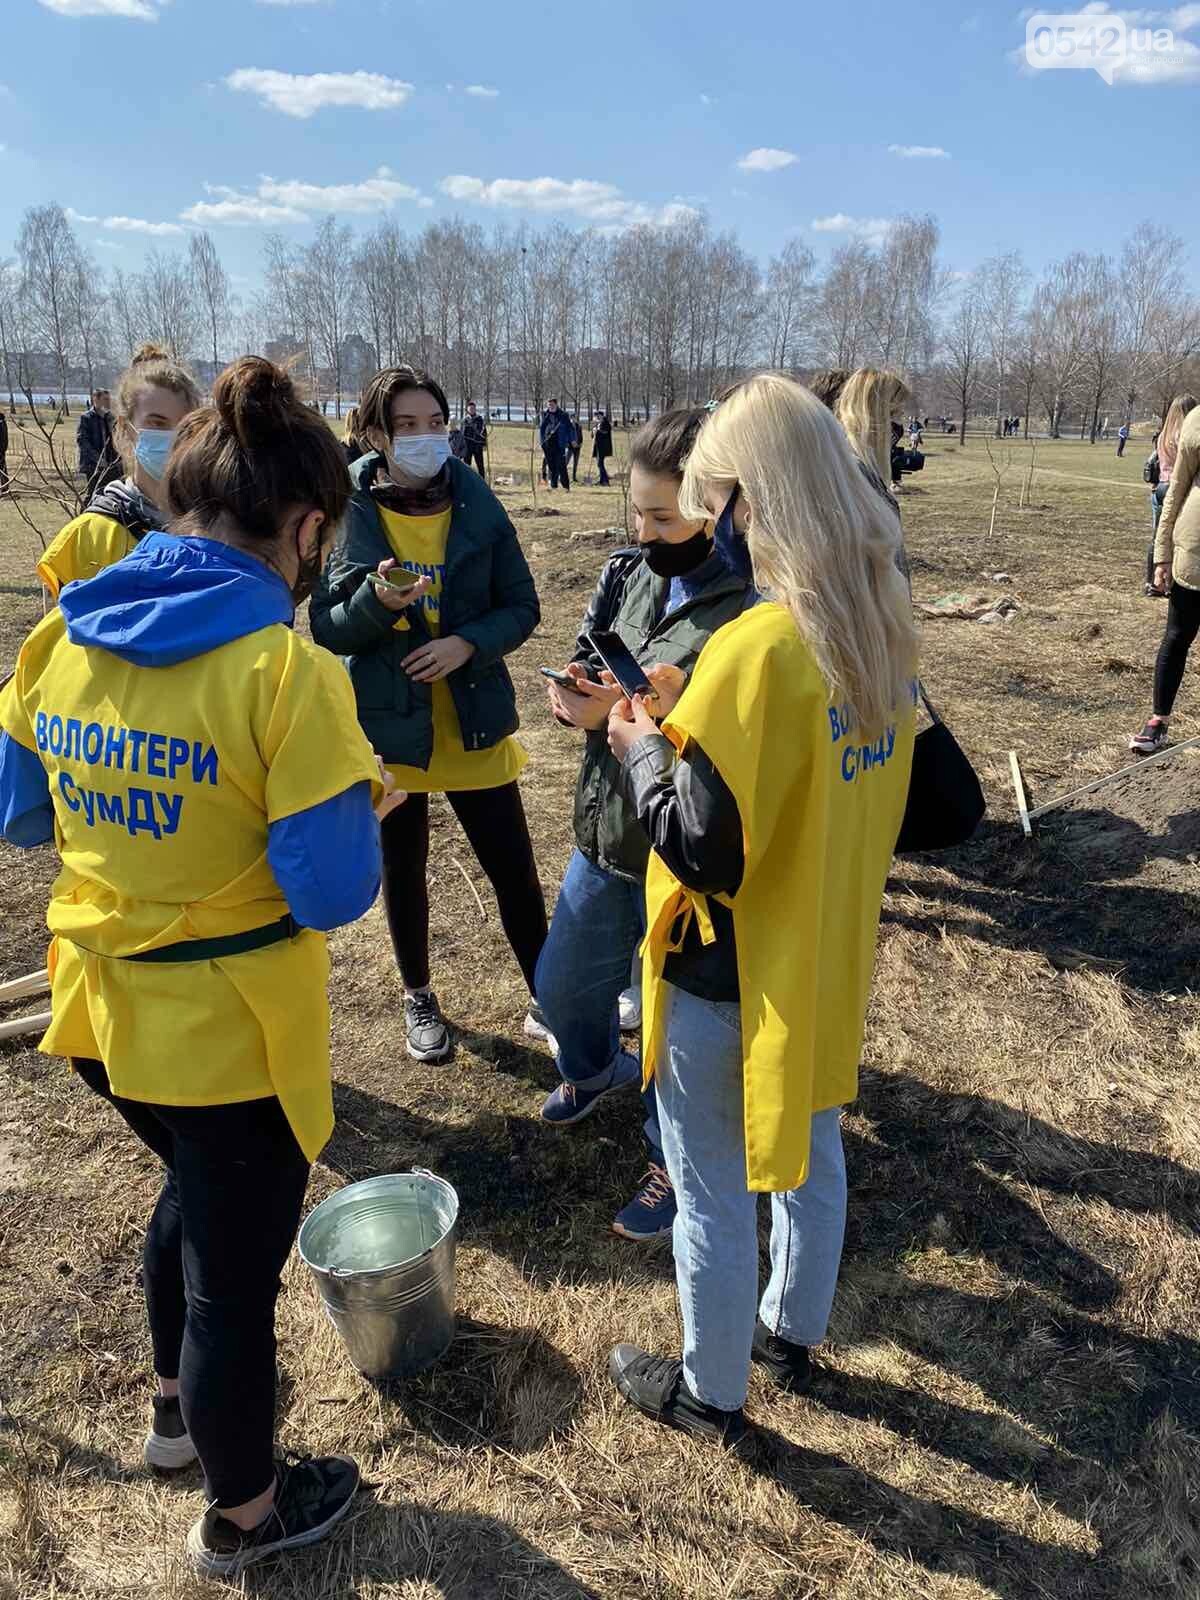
{"x": 692, "y": 822}
{"x": 3, "y": 434}
{"x": 475, "y": 430}
{"x": 94, "y": 436}
{"x": 603, "y": 446}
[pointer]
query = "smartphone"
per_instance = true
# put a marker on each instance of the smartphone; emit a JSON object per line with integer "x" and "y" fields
{"x": 381, "y": 580}
{"x": 564, "y": 680}
{"x": 620, "y": 661}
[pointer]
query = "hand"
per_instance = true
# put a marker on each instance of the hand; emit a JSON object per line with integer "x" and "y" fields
{"x": 1162, "y": 576}
{"x": 392, "y": 797}
{"x": 438, "y": 659}
{"x": 397, "y": 599}
{"x": 587, "y": 705}
{"x": 628, "y": 722}
{"x": 669, "y": 684}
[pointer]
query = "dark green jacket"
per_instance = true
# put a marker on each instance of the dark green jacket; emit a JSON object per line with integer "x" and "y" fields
{"x": 629, "y": 600}
{"x": 488, "y": 598}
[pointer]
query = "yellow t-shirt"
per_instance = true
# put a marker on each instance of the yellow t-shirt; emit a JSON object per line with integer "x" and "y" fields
{"x": 419, "y": 544}
{"x": 821, "y": 808}
{"x": 83, "y": 548}
{"x": 164, "y": 781}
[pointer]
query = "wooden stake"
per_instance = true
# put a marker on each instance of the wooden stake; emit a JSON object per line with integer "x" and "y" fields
{"x": 1124, "y": 772}
{"x": 18, "y": 988}
{"x": 1019, "y": 786}
{"x": 20, "y": 1025}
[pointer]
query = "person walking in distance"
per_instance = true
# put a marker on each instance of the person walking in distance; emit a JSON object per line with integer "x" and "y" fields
{"x": 602, "y": 445}
{"x": 574, "y": 448}
{"x": 99, "y": 460}
{"x": 3, "y": 453}
{"x": 556, "y": 435}
{"x": 1177, "y": 572}
{"x": 427, "y": 662}
{"x": 475, "y": 436}
{"x": 1122, "y": 438}
{"x": 188, "y": 969}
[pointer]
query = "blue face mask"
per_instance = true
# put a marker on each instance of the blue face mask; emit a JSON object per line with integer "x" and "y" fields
{"x": 733, "y": 547}
{"x": 152, "y": 449}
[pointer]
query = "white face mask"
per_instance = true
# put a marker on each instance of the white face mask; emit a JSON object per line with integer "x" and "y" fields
{"x": 420, "y": 456}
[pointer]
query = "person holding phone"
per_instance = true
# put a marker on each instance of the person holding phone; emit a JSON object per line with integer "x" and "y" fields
{"x": 659, "y": 602}
{"x": 196, "y": 762}
{"x": 772, "y": 797}
{"x": 427, "y": 665}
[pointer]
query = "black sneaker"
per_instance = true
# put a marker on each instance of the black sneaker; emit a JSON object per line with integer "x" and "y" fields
{"x": 654, "y": 1384}
{"x": 789, "y": 1366}
{"x": 1153, "y": 737}
{"x": 428, "y": 1035}
{"x": 168, "y": 1445}
{"x": 313, "y": 1495}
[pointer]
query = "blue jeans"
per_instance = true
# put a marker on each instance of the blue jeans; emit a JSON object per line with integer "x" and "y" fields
{"x": 597, "y": 926}
{"x": 716, "y": 1227}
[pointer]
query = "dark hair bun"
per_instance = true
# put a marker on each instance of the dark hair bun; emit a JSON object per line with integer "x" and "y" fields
{"x": 150, "y": 352}
{"x": 254, "y": 400}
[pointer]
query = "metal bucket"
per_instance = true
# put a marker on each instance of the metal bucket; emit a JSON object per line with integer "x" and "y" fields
{"x": 382, "y": 1253}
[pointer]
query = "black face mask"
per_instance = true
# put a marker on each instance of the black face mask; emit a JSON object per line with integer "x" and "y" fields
{"x": 675, "y": 560}
{"x": 308, "y": 570}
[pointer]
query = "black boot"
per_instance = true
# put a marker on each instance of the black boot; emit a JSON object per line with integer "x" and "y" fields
{"x": 654, "y": 1384}
{"x": 789, "y": 1366}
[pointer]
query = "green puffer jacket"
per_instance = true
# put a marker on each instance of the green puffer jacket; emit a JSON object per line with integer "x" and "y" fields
{"x": 488, "y": 598}
{"x": 629, "y": 600}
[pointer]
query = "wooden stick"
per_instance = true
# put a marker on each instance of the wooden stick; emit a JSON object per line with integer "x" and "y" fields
{"x": 470, "y": 886}
{"x": 1019, "y": 786}
{"x": 1099, "y": 783}
{"x": 18, "y": 988}
{"x": 20, "y": 1025}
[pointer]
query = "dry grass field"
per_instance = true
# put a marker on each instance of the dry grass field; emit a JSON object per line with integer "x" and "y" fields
{"x": 1009, "y": 1405}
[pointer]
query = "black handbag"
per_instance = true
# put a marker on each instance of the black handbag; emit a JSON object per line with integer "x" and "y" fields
{"x": 945, "y": 802}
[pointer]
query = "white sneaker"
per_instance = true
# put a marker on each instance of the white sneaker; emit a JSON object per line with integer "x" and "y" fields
{"x": 629, "y": 1010}
{"x": 535, "y": 1028}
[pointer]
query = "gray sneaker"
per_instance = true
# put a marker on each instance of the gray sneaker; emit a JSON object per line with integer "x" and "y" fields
{"x": 428, "y": 1035}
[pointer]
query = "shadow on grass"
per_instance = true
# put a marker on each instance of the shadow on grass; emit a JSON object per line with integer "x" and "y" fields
{"x": 459, "y": 1555}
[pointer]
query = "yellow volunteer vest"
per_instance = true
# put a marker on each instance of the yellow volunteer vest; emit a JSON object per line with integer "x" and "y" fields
{"x": 164, "y": 781}
{"x": 419, "y": 544}
{"x": 821, "y": 811}
{"x": 82, "y": 549}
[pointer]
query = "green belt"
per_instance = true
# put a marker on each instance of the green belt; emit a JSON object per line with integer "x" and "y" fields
{"x": 231, "y": 944}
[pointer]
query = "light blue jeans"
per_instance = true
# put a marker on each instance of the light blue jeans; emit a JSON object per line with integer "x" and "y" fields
{"x": 700, "y": 1108}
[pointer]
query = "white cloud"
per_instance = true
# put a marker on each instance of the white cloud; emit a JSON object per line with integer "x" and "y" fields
{"x": 765, "y": 159}
{"x": 870, "y": 229}
{"x": 109, "y": 244}
{"x": 138, "y": 10}
{"x": 708, "y": 100}
{"x": 294, "y": 2}
{"x": 482, "y": 92}
{"x": 919, "y": 152}
{"x": 303, "y": 94}
{"x": 582, "y": 197}
{"x": 290, "y": 200}
{"x": 155, "y": 230}
{"x": 1140, "y": 67}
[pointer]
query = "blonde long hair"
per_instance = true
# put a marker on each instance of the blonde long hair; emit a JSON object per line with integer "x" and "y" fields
{"x": 1168, "y": 439}
{"x": 868, "y": 401}
{"x": 822, "y": 540}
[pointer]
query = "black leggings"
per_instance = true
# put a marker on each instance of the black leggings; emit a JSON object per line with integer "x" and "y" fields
{"x": 1183, "y": 622}
{"x": 215, "y": 1247}
{"x": 494, "y": 823}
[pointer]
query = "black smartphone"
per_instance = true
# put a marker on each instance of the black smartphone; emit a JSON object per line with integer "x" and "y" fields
{"x": 564, "y": 680}
{"x": 621, "y": 662}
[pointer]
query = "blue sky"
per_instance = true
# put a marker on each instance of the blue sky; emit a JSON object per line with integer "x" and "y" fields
{"x": 628, "y": 109}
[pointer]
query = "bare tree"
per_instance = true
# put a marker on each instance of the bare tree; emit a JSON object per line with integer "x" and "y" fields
{"x": 211, "y": 284}
{"x": 48, "y": 254}
{"x": 10, "y": 323}
{"x": 167, "y": 304}
{"x": 89, "y": 314}
{"x": 329, "y": 290}
{"x": 789, "y": 295}
{"x": 1002, "y": 281}
{"x": 965, "y": 348}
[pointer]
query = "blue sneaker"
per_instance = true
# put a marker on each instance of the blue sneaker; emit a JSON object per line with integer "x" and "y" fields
{"x": 651, "y": 1212}
{"x": 570, "y": 1104}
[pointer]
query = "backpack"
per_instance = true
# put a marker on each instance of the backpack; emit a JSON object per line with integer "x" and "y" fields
{"x": 1151, "y": 472}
